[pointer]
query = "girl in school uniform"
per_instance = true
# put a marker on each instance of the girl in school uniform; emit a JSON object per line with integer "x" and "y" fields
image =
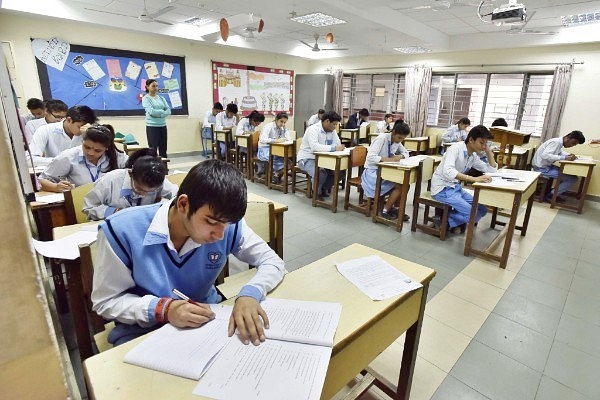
{"x": 386, "y": 147}
{"x": 456, "y": 133}
{"x": 77, "y": 166}
{"x": 141, "y": 184}
{"x": 248, "y": 125}
{"x": 273, "y": 132}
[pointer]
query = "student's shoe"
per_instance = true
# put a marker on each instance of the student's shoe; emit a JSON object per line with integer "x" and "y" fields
{"x": 276, "y": 180}
{"x": 436, "y": 220}
{"x": 388, "y": 215}
{"x": 324, "y": 194}
{"x": 406, "y": 218}
{"x": 560, "y": 199}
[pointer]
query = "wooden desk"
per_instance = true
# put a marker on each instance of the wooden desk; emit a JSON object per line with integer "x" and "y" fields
{"x": 583, "y": 168}
{"x": 336, "y": 161}
{"x": 520, "y": 154}
{"x": 366, "y": 328}
{"x": 224, "y": 136}
{"x": 279, "y": 210}
{"x": 403, "y": 175}
{"x": 506, "y": 197}
{"x": 349, "y": 136}
{"x": 507, "y": 138}
{"x": 284, "y": 150}
{"x": 244, "y": 140}
{"x": 417, "y": 144}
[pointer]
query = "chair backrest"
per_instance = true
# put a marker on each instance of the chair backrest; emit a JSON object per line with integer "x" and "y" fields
{"x": 260, "y": 216}
{"x": 298, "y": 144}
{"x": 292, "y": 134}
{"x": 74, "y": 204}
{"x": 255, "y": 139}
{"x": 176, "y": 178}
{"x": 426, "y": 169}
{"x": 358, "y": 156}
{"x": 363, "y": 130}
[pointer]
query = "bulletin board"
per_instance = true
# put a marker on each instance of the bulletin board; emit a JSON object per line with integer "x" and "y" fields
{"x": 112, "y": 82}
{"x": 268, "y": 90}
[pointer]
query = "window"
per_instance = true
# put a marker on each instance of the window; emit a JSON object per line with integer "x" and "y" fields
{"x": 520, "y": 98}
{"x": 379, "y": 93}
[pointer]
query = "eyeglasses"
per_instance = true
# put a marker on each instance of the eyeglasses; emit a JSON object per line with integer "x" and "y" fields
{"x": 58, "y": 116}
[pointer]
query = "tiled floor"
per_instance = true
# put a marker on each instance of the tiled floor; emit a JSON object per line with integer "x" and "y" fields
{"x": 528, "y": 332}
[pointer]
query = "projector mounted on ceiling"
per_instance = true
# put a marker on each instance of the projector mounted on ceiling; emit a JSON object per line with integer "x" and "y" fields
{"x": 511, "y": 13}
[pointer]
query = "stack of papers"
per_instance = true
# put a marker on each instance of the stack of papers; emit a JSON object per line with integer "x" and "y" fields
{"x": 67, "y": 248}
{"x": 50, "y": 198}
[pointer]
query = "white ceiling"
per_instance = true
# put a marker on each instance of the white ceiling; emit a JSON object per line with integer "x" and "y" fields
{"x": 373, "y": 27}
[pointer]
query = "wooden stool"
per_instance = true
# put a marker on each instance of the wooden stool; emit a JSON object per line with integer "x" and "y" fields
{"x": 442, "y": 209}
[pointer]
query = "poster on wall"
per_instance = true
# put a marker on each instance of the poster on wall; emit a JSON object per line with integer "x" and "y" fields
{"x": 111, "y": 82}
{"x": 267, "y": 90}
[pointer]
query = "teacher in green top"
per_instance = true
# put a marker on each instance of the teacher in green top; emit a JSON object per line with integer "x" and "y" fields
{"x": 157, "y": 110}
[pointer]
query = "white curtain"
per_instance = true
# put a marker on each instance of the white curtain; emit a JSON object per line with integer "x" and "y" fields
{"x": 556, "y": 103}
{"x": 418, "y": 87}
{"x": 338, "y": 81}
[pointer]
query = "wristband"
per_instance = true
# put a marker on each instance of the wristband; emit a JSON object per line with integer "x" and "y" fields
{"x": 160, "y": 312}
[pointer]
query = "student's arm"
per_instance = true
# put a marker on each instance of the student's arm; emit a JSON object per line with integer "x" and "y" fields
{"x": 373, "y": 156}
{"x": 167, "y": 109}
{"x": 553, "y": 152}
{"x": 151, "y": 111}
{"x": 169, "y": 190}
{"x": 265, "y": 134}
{"x": 402, "y": 151}
{"x": 313, "y": 142}
{"x": 206, "y": 122}
{"x": 352, "y": 122}
{"x": 53, "y": 177}
{"x": 449, "y": 136}
{"x": 96, "y": 204}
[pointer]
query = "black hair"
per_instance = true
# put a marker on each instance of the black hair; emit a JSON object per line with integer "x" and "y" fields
{"x": 101, "y": 134}
{"x": 218, "y": 106}
{"x": 500, "y": 122}
{"x": 477, "y": 132}
{"x": 464, "y": 121}
{"x": 232, "y": 108}
{"x": 220, "y": 185}
{"x": 332, "y": 116}
{"x": 148, "y": 83}
{"x": 281, "y": 115}
{"x": 364, "y": 112}
{"x": 321, "y": 111}
{"x": 398, "y": 121}
{"x": 401, "y": 128}
{"x": 256, "y": 116}
{"x": 577, "y": 135}
{"x": 387, "y": 116}
{"x": 82, "y": 114}
{"x": 53, "y": 106}
{"x": 145, "y": 152}
{"x": 149, "y": 171}
{"x": 34, "y": 104}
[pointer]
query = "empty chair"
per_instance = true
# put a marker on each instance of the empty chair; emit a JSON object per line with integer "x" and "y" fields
{"x": 358, "y": 156}
{"x": 304, "y": 183}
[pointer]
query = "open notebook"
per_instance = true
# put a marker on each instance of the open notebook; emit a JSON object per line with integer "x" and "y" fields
{"x": 292, "y": 362}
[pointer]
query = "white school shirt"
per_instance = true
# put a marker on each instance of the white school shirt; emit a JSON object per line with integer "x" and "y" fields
{"x": 381, "y": 147}
{"x": 453, "y": 134}
{"x": 456, "y": 160}
{"x": 32, "y": 126}
{"x": 49, "y": 141}
{"x": 244, "y": 126}
{"x": 72, "y": 165}
{"x": 383, "y": 126}
{"x": 549, "y": 152}
{"x": 114, "y": 190}
{"x": 313, "y": 120}
{"x": 271, "y": 132}
{"x": 221, "y": 120}
{"x": 316, "y": 139}
{"x": 209, "y": 119}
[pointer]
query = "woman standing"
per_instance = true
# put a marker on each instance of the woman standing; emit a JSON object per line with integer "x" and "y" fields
{"x": 157, "y": 110}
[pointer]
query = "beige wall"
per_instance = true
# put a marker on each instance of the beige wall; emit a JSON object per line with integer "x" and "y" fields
{"x": 184, "y": 132}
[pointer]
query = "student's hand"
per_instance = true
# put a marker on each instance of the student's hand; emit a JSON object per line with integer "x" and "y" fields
{"x": 397, "y": 157}
{"x": 482, "y": 178}
{"x": 248, "y": 317}
{"x": 571, "y": 157}
{"x": 340, "y": 147}
{"x": 279, "y": 140}
{"x": 64, "y": 186}
{"x": 184, "y": 314}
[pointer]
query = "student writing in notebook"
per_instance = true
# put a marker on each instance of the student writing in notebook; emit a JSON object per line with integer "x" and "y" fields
{"x": 144, "y": 252}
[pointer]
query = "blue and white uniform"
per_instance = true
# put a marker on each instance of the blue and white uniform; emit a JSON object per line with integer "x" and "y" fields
{"x": 222, "y": 121}
{"x": 268, "y": 134}
{"x": 314, "y": 119}
{"x": 381, "y": 147}
{"x": 453, "y": 134}
{"x": 137, "y": 264}
{"x": 543, "y": 161}
{"x": 447, "y": 189}
{"x": 49, "y": 141}
{"x": 115, "y": 191}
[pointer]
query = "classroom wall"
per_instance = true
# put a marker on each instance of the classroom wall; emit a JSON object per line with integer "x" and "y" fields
{"x": 582, "y": 100}
{"x": 184, "y": 131}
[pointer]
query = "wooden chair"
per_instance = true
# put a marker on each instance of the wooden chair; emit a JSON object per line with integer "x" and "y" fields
{"x": 442, "y": 209}
{"x": 91, "y": 330}
{"x": 74, "y": 204}
{"x": 131, "y": 148}
{"x": 544, "y": 184}
{"x": 176, "y": 178}
{"x": 260, "y": 217}
{"x": 304, "y": 177}
{"x": 256, "y": 161}
{"x": 358, "y": 156}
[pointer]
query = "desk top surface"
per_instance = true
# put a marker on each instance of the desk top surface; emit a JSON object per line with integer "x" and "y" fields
{"x": 111, "y": 378}
{"x": 524, "y": 180}
{"x": 417, "y": 139}
{"x": 582, "y": 160}
{"x": 516, "y": 151}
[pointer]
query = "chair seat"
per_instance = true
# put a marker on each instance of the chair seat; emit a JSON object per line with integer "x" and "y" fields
{"x": 442, "y": 210}
{"x": 297, "y": 183}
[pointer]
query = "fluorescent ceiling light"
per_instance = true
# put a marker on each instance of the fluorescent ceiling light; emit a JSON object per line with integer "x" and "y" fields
{"x": 318, "y": 19}
{"x": 412, "y": 50}
{"x": 580, "y": 19}
{"x": 197, "y": 21}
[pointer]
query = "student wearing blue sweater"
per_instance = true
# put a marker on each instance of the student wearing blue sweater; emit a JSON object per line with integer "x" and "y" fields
{"x": 157, "y": 109}
{"x": 145, "y": 252}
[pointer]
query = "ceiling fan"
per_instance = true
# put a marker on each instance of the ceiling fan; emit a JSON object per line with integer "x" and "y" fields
{"x": 315, "y": 47}
{"x": 520, "y": 29}
{"x": 254, "y": 27}
{"x": 144, "y": 16}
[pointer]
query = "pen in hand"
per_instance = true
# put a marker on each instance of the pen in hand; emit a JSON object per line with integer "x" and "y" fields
{"x": 184, "y": 297}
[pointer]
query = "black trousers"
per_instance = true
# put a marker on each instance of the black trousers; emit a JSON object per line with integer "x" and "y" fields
{"x": 157, "y": 139}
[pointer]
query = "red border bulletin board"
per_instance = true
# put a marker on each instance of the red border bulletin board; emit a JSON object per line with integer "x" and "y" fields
{"x": 268, "y": 90}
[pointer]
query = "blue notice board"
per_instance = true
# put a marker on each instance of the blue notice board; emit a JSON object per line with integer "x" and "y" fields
{"x": 112, "y": 82}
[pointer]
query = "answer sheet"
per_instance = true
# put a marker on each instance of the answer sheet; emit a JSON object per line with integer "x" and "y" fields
{"x": 66, "y": 248}
{"x": 376, "y": 278}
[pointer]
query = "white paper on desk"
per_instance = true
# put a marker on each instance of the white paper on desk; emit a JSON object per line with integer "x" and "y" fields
{"x": 497, "y": 181}
{"x": 273, "y": 370}
{"x": 50, "y": 198}
{"x": 507, "y": 175}
{"x": 66, "y": 248}
{"x": 183, "y": 352}
{"x": 376, "y": 278}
